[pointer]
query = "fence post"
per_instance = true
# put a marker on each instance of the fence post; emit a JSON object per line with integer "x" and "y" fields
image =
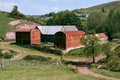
{"x": 9, "y": 62}
{"x": 1, "y": 62}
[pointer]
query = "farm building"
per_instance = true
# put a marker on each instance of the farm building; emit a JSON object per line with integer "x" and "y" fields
{"x": 28, "y": 35}
{"x": 69, "y": 39}
{"x": 48, "y": 32}
{"x": 102, "y": 37}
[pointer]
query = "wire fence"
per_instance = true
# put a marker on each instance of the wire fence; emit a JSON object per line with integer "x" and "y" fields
{"x": 22, "y": 63}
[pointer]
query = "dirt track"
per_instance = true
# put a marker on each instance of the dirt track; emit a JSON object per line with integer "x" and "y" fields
{"x": 16, "y": 57}
{"x": 85, "y": 70}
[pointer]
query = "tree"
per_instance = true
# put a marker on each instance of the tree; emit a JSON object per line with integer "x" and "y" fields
{"x": 112, "y": 60}
{"x": 50, "y": 14}
{"x": 96, "y": 21}
{"x": 16, "y": 14}
{"x": 103, "y": 10}
{"x": 91, "y": 46}
{"x": 107, "y": 50}
{"x": 49, "y": 21}
{"x": 65, "y": 18}
{"x": 113, "y": 24}
{"x": 107, "y": 23}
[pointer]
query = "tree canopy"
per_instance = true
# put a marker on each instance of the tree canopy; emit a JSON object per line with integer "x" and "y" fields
{"x": 16, "y": 14}
{"x": 96, "y": 22}
{"x": 113, "y": 24}
{"x": 91, "y": 45}
{"x": 107, "y": 23}
{"x": 65, "y": 18}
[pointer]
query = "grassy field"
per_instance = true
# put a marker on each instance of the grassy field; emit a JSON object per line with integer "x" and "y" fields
{"x": 30, "y": 70}
{"x": 107, "y": 72}
{"x": 44, "y": 72}
{"x": 41, "y": 73}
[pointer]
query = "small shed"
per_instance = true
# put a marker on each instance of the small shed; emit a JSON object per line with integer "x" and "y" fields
{"x": 102, "y": 37}
{"x": 28, "y": 35}
{"x": 48, "y": 32}
{"x": 69, "y": 39}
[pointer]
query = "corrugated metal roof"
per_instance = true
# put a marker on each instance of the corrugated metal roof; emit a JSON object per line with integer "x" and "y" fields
{"x": 24, "y": 29}
{"x": 51, "y": 30}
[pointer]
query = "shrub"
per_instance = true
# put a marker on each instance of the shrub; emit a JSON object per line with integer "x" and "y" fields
{"x": 101, "y": 61}
{"x": 114, "y": 65}
{"x": 36, "y": 57}
{"x": 1, "y": 55}
{"x": 8, "y": 55}
{"x": 76, "y": 52}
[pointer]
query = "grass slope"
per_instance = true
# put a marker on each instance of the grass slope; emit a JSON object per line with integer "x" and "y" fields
{"x": 4, "y": 26}
{"x": 107, "y": 72}
{"x": 115, "y": 5}
{"x": 45, "y": 72}
{"x": 40, "y": 72}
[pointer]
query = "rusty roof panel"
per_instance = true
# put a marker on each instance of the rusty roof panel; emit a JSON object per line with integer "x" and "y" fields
{"x": 73, "y": 33}
{"x": 101, "y": 35}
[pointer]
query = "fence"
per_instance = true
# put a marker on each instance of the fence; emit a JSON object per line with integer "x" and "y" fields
{"x": 22, "y": 63}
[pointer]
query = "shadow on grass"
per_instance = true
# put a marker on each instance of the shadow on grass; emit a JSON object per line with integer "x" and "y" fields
{"x": 42, "y": 48}
{"x": 81, "y": 64}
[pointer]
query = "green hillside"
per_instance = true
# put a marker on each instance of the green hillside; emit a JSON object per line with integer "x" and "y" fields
{"x": 107, "y": 6}
{"x": 4, "y": 26}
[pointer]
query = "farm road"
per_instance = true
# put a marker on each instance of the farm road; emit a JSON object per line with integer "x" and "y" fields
{"x": 83, "y": 68}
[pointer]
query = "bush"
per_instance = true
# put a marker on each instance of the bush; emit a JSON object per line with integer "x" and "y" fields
{"x": 114, "y": 65}
{"x": 1, "y": 55}
{"x": 76, "y": 53}
{"x": 101, "y": 61}
{"x": 36, "y": 57}
{"x": 113, "y": 62}
{"x": 8, "y": 55}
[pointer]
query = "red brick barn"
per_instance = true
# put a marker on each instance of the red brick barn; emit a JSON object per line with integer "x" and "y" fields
{"x": 28, "y": 35}
{"x": 68, "y": 39}
{"x": 48, "y": 32}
